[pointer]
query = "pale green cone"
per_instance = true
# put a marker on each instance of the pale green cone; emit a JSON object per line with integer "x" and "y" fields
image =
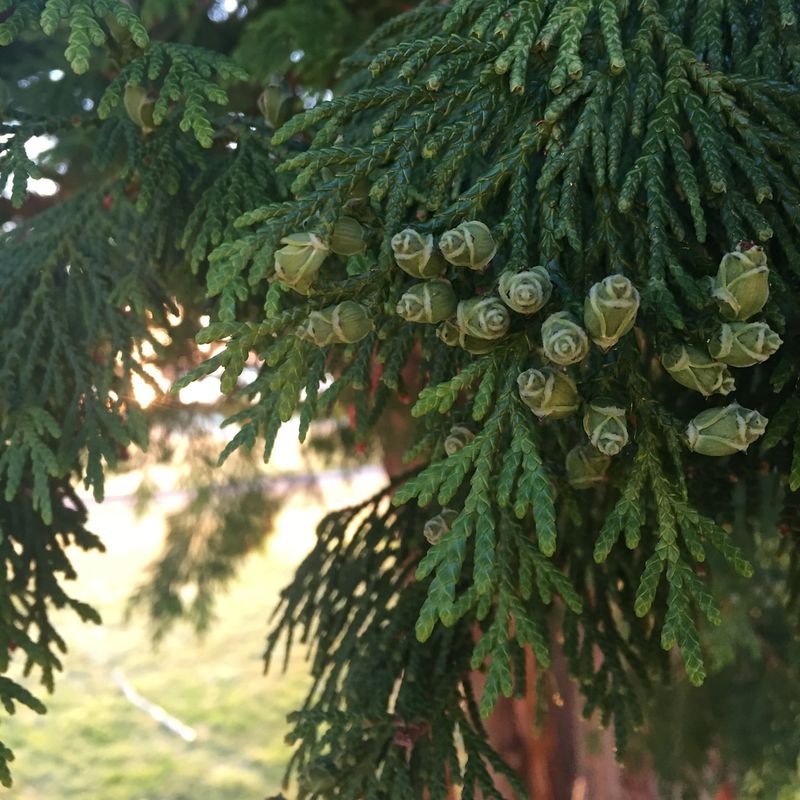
{"x": 440, "y": 525}
{"x": 453, "y": 336}
{"x": 298, "y": 262}
{"x": 605, "y": 425}
{"x": 459, "y": 436}
{"x": 563, "y": 340}
{"x": 416, "y": 255}
{"x": 471, "y": 244}
{"x": 276, "y": 104}
{"x": 548, "y": 393}
{"x": 484, "y": 317}
{"x": 586, "y": 466}
{"x": 347, "y": 237}
{"x": 741, "y": 285}
{"x": 432, "y": 301}
{"x": 610, "y": 309}
{"x": 695, "y": 369}
{"x": 525, "y": 292}
{"x": 344, "y": 323}
{"x": 744, "y": 344}
{"x": 449, "y": 333}
{"x": 724, "y": 431}
{"x": 139, "y": 107}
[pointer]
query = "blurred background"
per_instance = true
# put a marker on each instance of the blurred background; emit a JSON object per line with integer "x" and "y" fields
{"x": 189, "y": 714}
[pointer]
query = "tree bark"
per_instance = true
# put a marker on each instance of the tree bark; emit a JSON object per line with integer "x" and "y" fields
{"x": 555, "y": 761}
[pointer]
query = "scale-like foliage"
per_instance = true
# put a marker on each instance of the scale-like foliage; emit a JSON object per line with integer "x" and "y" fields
{"x": 515, "y": 114}
{"x": 556, "y": 229}
{"x": 83, "y": 18}
{"x": 387, "y": 713}
{"x": 97, "y": 289}
{"x": 35, "y": 565}
{"x": 75, "y": 305}
{"x": 15, "y": 166}
{"x": 183, "y": 73}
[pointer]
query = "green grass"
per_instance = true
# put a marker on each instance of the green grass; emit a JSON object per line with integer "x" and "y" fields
{"x": 93, "y": 744}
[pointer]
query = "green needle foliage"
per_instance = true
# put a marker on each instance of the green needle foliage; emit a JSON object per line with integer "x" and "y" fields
{"x": 559, "y": 228}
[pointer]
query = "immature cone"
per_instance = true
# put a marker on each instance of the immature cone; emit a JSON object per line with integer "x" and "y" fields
{"x": 724, "y": 431}
{"x": 359, "y": 193}
{"x": 471, "y": 245}
{"x": 549, "y": 394}
{"x": 458, "y": 437}
{"x": 437, "y": 527}
{"x": 415, "y": 254}
{"x": 139, "y": 107}
{"x": 453, "y": 336}
{"x": 563, "y": 340}
{"x": 741, "y": 285}
{"x": 605, "y": 426}
{"x": 609, "y": 311}
{"x": 297, "y": 263}
{"x": 586, "y": 466}
{"x": 525, "y": 292}
{"x": 276, "y": 104}
{"x": 347, "y": 238}
{"x": 449, "y": 333}
{"x": 744, "y": 344}
{"x": 485, "y": 317}
{"x": 344, "y": 323}
{"x": 695, "y": 369}
{"x": 432, "y": 301}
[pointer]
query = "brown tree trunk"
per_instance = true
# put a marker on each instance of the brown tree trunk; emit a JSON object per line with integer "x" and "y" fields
{"x": 555, "y": 761}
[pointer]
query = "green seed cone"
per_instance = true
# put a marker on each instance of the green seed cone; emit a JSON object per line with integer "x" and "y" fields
{"x": 347, "y": 238}
{"x": 415, "y": 254}
{"x": 696, "y": 370}
{"x": 453, "y": 336}
{"x": 344, "y": 323}
{"x": 744, "y": 344}
{"x": 139, "y": 107}
{"x": 724, "y": 431}
{"x": 297, "y": 263}
{"x": 432, "y": 301}
{"x": 563, "y": 340}
{"x": 610, "y": 309}
{"x": 741, "y": 285}
{"x": 525, "y": 292}
{"x": 548, "y": 393}
{"x": 605, "y": 425}
{"x": 458, "y": 437}
{"x": 586, "y": 466}
{"x": 276, "y": 104}
{"x": 483, "y": 317}
{"x": 439, "y": 526}
{"x": 471, "y": 244}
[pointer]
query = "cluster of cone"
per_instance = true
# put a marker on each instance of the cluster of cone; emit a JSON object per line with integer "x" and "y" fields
{"x": 609, "y": 313}
{"x": 741, "y": 290}
{"x": 297, "y": 265}
{"x": 474, "y": 324}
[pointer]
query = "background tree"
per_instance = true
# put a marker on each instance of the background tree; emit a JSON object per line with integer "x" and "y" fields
{"x": 561, "y": 228}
